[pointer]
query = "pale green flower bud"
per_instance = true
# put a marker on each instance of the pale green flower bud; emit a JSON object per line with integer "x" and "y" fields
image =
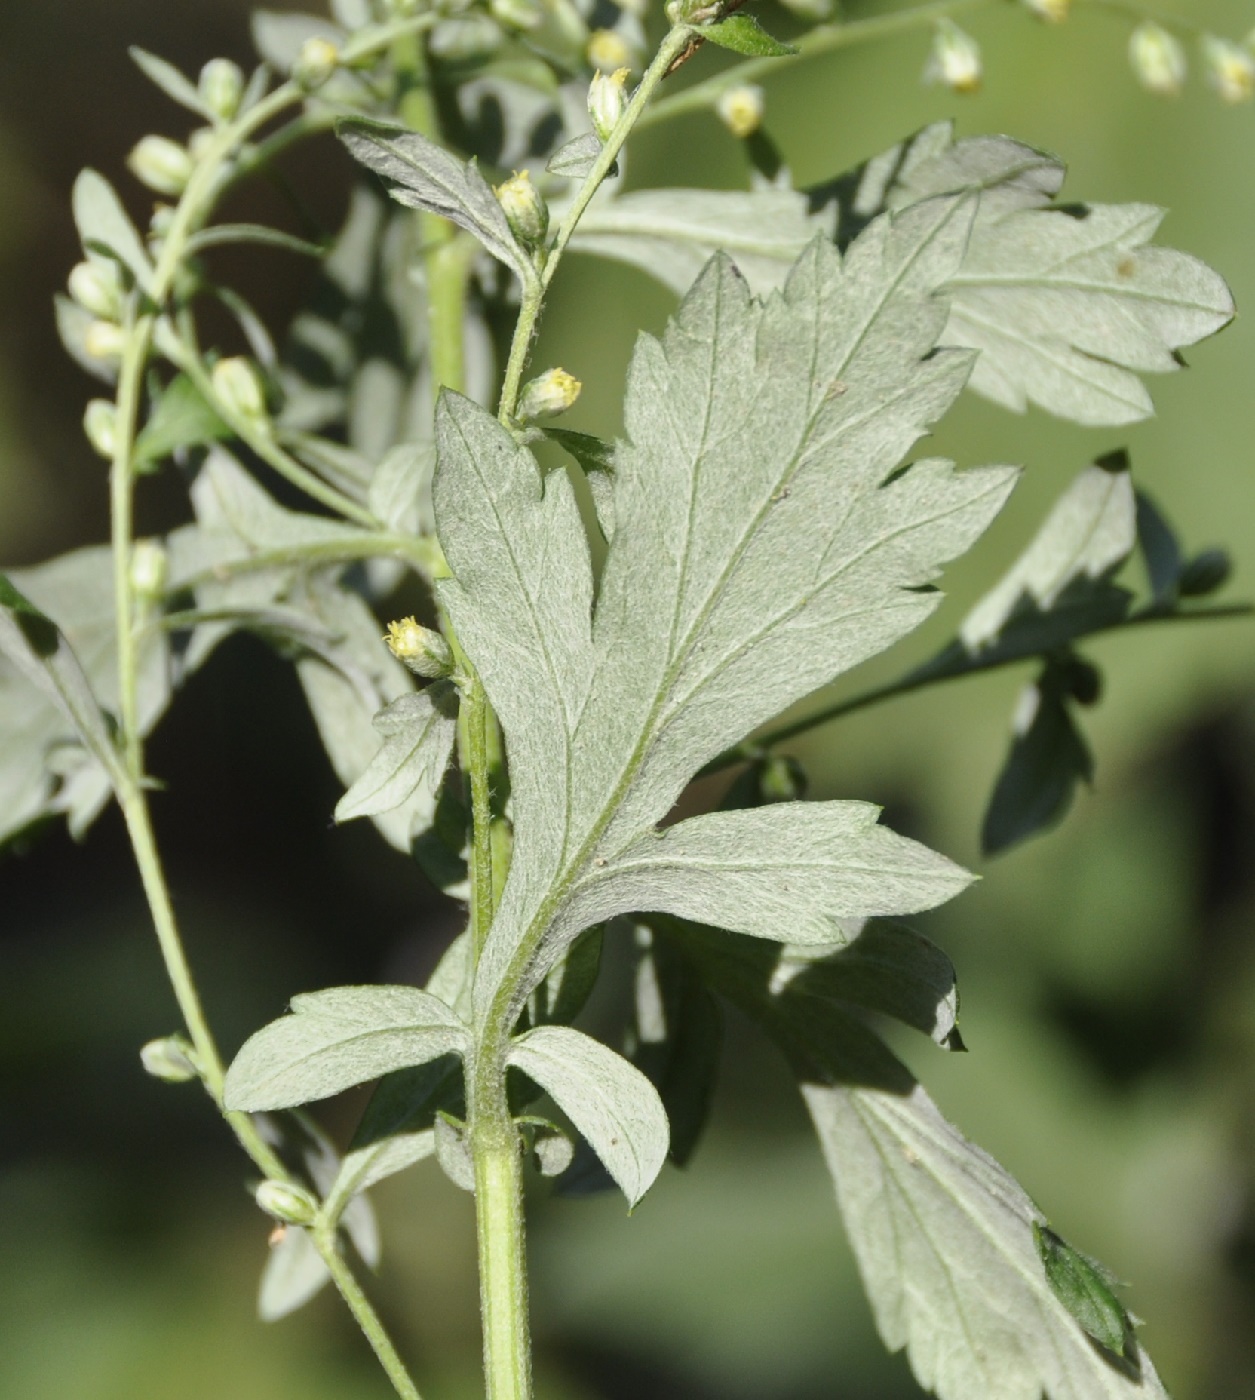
{"x": 169, "y": 1059}
{"x": 317, "y": 61}
{"x": 293, "y": 1205}
{"x": 1052, "y": 11}
{"x": 104, "y": 340}
{"x": 97, "y": 288}
{"x": 1157, "y": 59}
{"x": 425, "y": 652}
{"x": 199, "y": 142}
{"x": 100, "y": 424}
{"x": 519, "y": 15}
{"x": 607, "y": 100}
{"x": 608, "y": 51}
{"x": 149, "y": 566}
{"x": 1230, "y": 69}
{"x": 525, "y": 209}
{"x": 955, "y": 59}
{"x": 741, "y": 108}
{"x": 239, "y": 386}
{"x": 162, "y": 218}
{"x": 222, "y": 87}
{"x": 548, "y": 395}
{"x": 163, "y": 165}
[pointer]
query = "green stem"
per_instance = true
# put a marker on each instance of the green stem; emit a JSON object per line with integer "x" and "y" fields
{"x": 365, "y": 1315}
{"x": 829, "y": 38}
{"x": 534, "y": 292}
{"x": 500, "y": 1231}
{"x": 418, "y": 551}
{"x": 947, "y": 666}
{"x": 478, "y": 719}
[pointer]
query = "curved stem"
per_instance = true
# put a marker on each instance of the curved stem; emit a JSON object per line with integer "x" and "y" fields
{"x": 534, "y": 293}
{"x": 829, "y": 38}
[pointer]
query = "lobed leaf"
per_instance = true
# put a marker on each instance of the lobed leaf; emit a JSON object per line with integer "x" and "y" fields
{"x": 764, "y": 543}
{"x": 1068, "y": 306}
{"x": 338, "y": 1038}
{"x": 613, "y": 1105}
{"x": 422, "y": 175}
{"x": 418, "y": 731}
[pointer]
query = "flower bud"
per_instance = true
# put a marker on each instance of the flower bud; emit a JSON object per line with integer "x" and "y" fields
{"x": 1157, "y": 59}
{"x": 163, "y": 165}
{"x": 1052, "y": 11}
{"x": 607, "y": 100}
{"x": 1205, "y": 573}
{"x": 1230, "y": 69}
{"x": 104, "y": 340}
{"x": 955, "y": 59}
{"x": 239, "y": 386}
{"x": 162, "y": 219}
{"x": 100, "y": 423}
{"x": 548, "y": 394}
{"x": 317, "y": 61}
{"x": 518, "y": 15}
{"x": 148, "y": 570}
{"x": 292, "y": 1205}
{"x": 97, "y": 288}
{"x": 199, "y": 141}
{"x": 740, "y": 109}
{"x": 169, "y": 1059}
{"x": 222, "y": 87}
{"x": 525, "y": 209}
{"x": 425, "y": 652}
{"x": 608, "y": 51}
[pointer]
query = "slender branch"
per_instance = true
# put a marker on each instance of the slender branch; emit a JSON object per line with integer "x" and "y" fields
{"x": 949, "y": 665}
{"x": 830, "y": 38}
{"x": 365, "y": 1315}
{"x": 534, "y": 293}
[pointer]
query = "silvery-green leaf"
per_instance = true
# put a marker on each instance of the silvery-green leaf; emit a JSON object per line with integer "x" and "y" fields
{"x": 72, "y": 323}
{"x": 400, "y": 490}
{"x": 576, "y": 159}
{"x": 34, "y": 644}
{"x": 422, "y": 175}
{"x": 172, "y": 82}
{"x": 944, "y": 1239}
{"x": 765, "y": 542}
{"x": 552, "y": 1148}
{"x": 279, "y": 38}
{"x": 105, "y": 227}
{"x": 789, "y": 872}
{"x": 352, "y": 14}
{"x": 886, "y": 968}
{"x": 1047, "y": 759}
{"x": 613, "y": 1105}
{"x": 294, "y": 1274}
{"x": 1088, "y": 534}
{"x": 1067, "y": 306}
{"x": 418, "y": 731}
{"x": 338, "y": 1038}
{"x": 672, "y": 233}
{"x": 453, "y": 1151}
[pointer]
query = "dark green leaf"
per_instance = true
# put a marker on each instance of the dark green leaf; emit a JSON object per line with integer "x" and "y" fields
{"x": 1085, "y": 1289}
{"x": 1161, "y": 550}
{"x": 1048, "y": 758}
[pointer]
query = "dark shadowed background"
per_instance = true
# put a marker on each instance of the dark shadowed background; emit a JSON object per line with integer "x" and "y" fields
{"x": 1108, "y": 970}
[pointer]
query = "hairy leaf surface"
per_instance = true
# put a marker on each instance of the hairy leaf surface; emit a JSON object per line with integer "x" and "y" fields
{"x": 418, "y": 731}
{"x": 764, "y": 543}
{"x": 613, "y": 1105}
{"x": 338, "y": 1038}
{"x": 1067, "y": 306}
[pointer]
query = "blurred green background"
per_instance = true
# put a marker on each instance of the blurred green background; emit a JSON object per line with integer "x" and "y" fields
{"x": 1108, "y": 970}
